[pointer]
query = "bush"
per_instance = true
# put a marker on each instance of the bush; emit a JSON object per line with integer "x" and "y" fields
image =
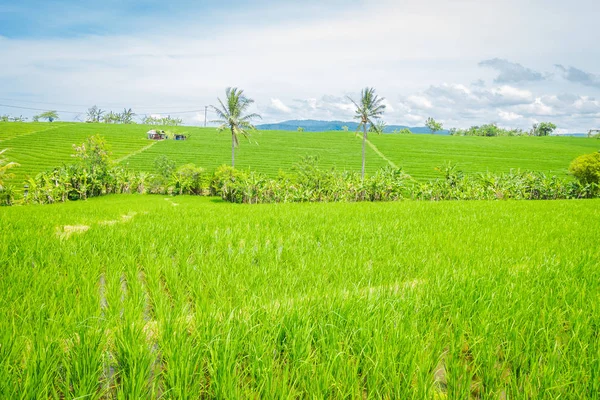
{"x": 93, "y": 154}
{"x": 164, "y": 166}
{"x": 188, "y": 179}
{"x": 7, "y": 195}
{"x": 586, "y": 168}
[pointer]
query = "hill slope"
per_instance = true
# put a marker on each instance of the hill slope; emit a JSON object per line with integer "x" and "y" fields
{"x": 42, "y": 146}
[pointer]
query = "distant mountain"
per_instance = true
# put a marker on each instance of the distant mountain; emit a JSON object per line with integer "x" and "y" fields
{"x": 311, "y": 125}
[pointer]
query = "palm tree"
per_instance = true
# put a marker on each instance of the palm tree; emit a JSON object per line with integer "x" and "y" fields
{"x": 127, "y": 116}
{"x": 4, "y": 167}
{"x": 369, "y": 108}
{"x": 231, "y": 116}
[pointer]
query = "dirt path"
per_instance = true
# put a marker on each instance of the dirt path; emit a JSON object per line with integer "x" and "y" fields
{"x": 378, "y": 152}
{"x": 118, "y": 161}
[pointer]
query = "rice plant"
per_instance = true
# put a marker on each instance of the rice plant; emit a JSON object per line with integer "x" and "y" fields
{"x": 188, "y": 297}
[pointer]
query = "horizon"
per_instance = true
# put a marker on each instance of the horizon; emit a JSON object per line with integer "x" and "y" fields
{"x": 438, "y": 60}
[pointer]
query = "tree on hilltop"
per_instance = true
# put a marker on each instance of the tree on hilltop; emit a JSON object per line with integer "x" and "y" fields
{"x": 543, "y": 129}
{"x": 94, "y": 114}
{"x": 232, "y": 115}
{"x": 433, "y": 125}
{"x": 369, "y": 109}
{"x": 47, "y": 115}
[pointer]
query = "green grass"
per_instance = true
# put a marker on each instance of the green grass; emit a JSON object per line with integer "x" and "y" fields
{"x": 40, "y": 146}
{"x": 187, "y": 297}
{"x": 419, "y": 155}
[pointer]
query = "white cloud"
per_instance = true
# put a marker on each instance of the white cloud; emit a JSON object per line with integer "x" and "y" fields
{"x": 536, "y": 108}
{"x": 414, "y": 119}
{"x": 186, "y": 68}
{"x": 419, "y": 102}
{"x": 278, "y": 105}
{"x": 509, "y": 116}
{"x": 511, "y": 95}
{"x": 388, "y": 106}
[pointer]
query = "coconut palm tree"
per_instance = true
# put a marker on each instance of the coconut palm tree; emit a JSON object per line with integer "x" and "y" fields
{"x": 4, "y": 167}
{"x": 232, "y": 116}
{"x": 369, "y": 108}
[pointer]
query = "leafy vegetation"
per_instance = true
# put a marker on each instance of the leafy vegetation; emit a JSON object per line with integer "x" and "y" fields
{"x": 94, "y": 114}
{"x": 94, "y": 175}
{"x": 9, "y": 118}
{"x": 433, "y": 125}
{"x": 49, "y": 116}
{"x": 7, "y": 193}
{"x": 141, "y": 297}
{"x": 309, "y": 183}
{"x": 162, "y": 121}
{"x": 488, "y": 130}
{"x": 5, "y": 166}
{"x": 543, "y": 129}
{"x": 586, "y": 168}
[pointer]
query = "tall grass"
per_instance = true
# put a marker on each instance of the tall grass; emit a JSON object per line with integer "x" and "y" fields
{"x": 187, "y": 297}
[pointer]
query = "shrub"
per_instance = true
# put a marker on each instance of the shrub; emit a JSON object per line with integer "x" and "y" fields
{"x": 93, "y": 154}
{"x": 164, "y": 166}
{"x": 223, "y": 179}
{"x": 188, "y": 179}
{"x": 586, "y": 168}
{"x": 7, "y": 195}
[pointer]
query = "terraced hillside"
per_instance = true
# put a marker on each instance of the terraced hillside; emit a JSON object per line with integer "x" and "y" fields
{"x": 420, "y": 154}
{"x": 40, "y": 146}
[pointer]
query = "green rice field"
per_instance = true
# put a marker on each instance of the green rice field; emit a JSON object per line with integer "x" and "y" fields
{"x": 136, "y": 297}
{"x": 41, "y": 146}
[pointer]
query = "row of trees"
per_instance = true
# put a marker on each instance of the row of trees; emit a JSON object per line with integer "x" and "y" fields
{"x": 540, "y": 129}
{"x": 162, "y": 121}
{"x": 96, "y": 115}
{"x": 9, "y": 118}
{"x": 49, "y": 116}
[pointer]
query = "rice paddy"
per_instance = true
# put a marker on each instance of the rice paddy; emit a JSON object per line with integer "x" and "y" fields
{"x": 41, "y": 146}
{"x": 131, "y": 297}
{"x": 159, "y": 297}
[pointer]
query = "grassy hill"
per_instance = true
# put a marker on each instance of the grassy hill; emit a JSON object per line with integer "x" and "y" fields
{"x": 40, "y": 146}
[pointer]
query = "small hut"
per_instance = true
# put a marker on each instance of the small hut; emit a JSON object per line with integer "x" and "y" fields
{"x": 153, "y": 134}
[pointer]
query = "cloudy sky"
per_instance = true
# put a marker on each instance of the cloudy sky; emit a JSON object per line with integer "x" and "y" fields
{"x": 464, "y": 62}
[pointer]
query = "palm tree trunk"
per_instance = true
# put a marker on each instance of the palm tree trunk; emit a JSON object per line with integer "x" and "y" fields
{"x": 362, "y": 173}
{"x": 232, "y": 148}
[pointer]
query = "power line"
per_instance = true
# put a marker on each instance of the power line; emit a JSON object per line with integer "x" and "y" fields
{"x": 40, "y": 109}
{"x": 79, "y": 112}
{"x": 88, "y": 105}
{"x": 41, "y": 102}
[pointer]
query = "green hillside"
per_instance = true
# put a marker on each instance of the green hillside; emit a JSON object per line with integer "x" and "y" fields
{"x": 40, "y": 146}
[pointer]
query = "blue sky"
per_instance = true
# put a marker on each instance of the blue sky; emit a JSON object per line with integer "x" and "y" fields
{"x": 463, "y": 62}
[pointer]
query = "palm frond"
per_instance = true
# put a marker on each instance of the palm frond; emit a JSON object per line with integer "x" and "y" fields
{"x": 250, "y": 116}
{"x": 231, "y": 114}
